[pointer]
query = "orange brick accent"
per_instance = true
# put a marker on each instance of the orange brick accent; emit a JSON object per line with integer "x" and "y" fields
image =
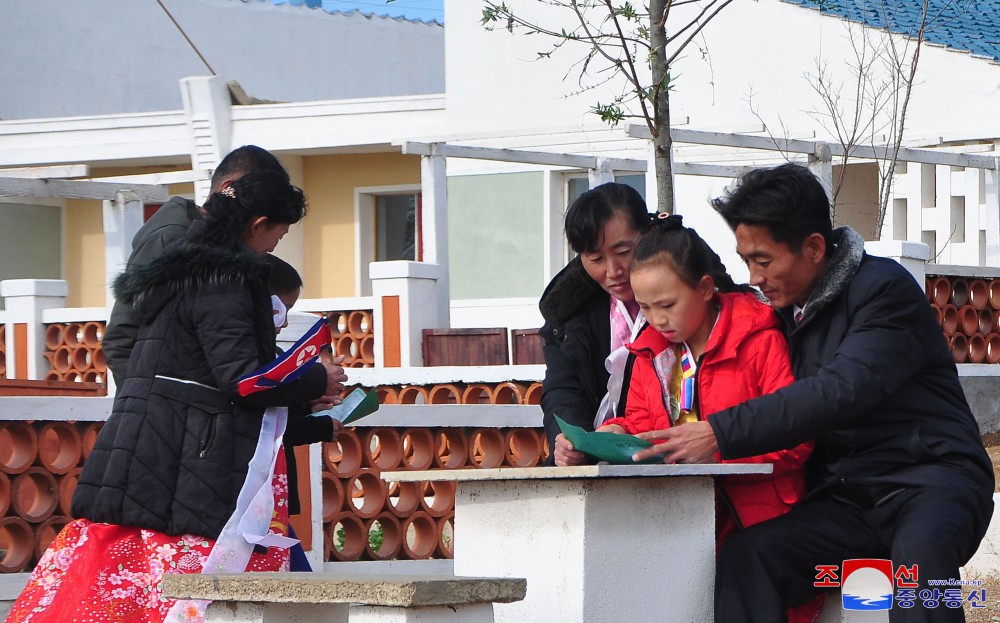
{"x": 21, "y": 350}
{"x": 390, "y": 332}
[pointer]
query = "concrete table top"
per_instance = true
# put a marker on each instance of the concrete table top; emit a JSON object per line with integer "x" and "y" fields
{"x": 329, "y": 588}
{"x": 581, "y": 471}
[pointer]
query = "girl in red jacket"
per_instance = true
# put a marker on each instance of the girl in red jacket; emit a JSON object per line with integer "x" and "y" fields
{"x": 703, "y": 351}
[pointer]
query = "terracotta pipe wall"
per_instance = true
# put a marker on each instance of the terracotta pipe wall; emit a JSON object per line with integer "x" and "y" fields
{"x": 382, "y": 448}
{"x": 446, "y": 536}
{"x": 88, "y": 436}
{"x": 959, "y": 291}
{"x": 939, "y": 290}
{"x": 959, "y": 348}
{"x": 392, "y": 537}
{"x": 994, "y": 293}
{"x": 374, "y": 492}
{"x": 421, "y": 538}
{"x": 533, "y": 395}
{"x": 451, "y": 449}
{"x": 418, "y": 448}
{"x": 5, "y": 493}
{"x": 441, "y": 501}
{"x": 406, "y": 500}
{"x": 18, "y": 446}
{"x": 977, "y": 349}
{"x": 523, "y": 448}
{"x": 60, "y": 447}
{"x": 333, "y": 496}
{"x": 444, "y": 395}
{"x": 993, "y": 348}
{"x": 412, "y": 394}
{"x": 968, "y": 320}
{"x": 486, "y": 449}
{"x": 949, "y": 320}
{"x": 34, "y": 495}
{"x": 979, "y": 293}
{"x": 359, "y": 323}
{"x": 477, "y": 393}
{"x": 16, "y": 544}
{"x": 508, "y": 394}
{"x": 343, "y": 455}
{"x": 46, "y": 532}
{"x": 67, "y": 485}
{"x": 386, "y": 395}
{"x": 355, "y": 537}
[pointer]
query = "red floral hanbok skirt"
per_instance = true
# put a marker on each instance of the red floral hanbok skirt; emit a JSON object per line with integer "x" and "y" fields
{"x": 103, "y": 573}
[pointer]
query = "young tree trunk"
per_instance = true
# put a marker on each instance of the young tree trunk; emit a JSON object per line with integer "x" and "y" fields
{"x": 662, "y": 143}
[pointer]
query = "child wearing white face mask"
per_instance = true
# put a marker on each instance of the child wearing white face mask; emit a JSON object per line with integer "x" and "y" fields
{"x": 285, "y": 286}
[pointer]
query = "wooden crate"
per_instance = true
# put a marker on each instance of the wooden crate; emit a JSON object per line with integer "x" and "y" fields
{"x": 466, "y": 347}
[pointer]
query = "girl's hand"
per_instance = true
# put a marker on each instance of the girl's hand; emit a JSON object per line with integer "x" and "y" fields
{"x": 612, "y": 428}
{"x": 565, "y": 455}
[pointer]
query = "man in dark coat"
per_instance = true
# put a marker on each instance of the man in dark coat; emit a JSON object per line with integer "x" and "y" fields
{"x": 899, "y": 471}
{"x": 167, "y": 225}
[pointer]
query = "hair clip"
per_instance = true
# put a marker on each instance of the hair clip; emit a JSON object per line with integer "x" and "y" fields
{"x": 666, "y": 221}
{"x": 228, "y": 191}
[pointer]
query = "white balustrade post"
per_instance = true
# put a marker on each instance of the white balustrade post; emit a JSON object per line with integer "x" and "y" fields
{"x": 24, "y": 300}
{"x": 410, "y": 292}
{"x": 122, "y": 219}
{"x": 912, "y": 255}
{"x": 600, "y": 175}
{"x": 821, "y": 164}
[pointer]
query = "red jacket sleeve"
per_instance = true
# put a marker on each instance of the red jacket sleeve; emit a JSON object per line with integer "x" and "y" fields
{"x": 772, "y": 365}
{"x": 639, "y": 416}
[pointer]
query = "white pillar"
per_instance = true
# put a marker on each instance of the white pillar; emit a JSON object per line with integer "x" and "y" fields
{"x": 592, "y": 551}
{"x": 418, "y": 286}
{"x": 434, "y": 227}
{"x": 24, "y": 300}
{"x": 122, "y": 219}
{"x": 992, "y": 222}
{"x": 912, "y": 255}
{"x": 209, "y": 118}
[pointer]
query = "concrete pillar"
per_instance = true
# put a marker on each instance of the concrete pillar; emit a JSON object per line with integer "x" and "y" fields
{"x": 24, "y": 300}
{"x": 434, "y": 227}
{"x": 406, "y": 298}
{"x": 912, "y": 255}
{"x": 122, "y": 219}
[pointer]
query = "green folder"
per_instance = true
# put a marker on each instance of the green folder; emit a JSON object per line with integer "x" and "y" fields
{"x": 357, "y": 405}
{"x": 611, "y": 447}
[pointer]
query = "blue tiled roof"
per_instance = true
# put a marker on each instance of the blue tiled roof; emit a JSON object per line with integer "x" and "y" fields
{"x": 331, "y": 8}
{"x": 972, "y": 25}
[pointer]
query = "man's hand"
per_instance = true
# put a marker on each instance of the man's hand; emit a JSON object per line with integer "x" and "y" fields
{"x": 693, "y": 442}
{"x": 566, "y": 455}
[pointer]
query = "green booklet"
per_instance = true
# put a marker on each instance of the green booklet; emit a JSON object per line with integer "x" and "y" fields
{"x": 611, "y": 447}
{"x": 355, "y": 406}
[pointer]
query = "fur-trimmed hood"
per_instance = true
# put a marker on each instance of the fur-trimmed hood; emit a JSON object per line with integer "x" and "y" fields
{"x": 570, "y": 291}
{"x": 849, "y": 250}
{"x": 184, "y": 268}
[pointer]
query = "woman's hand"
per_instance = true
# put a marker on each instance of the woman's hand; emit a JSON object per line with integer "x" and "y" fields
{"x": 565, "y": 455}
{"x": 612, "y": 428}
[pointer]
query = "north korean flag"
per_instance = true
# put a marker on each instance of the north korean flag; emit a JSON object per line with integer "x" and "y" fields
{"x": 292, "y": 364}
